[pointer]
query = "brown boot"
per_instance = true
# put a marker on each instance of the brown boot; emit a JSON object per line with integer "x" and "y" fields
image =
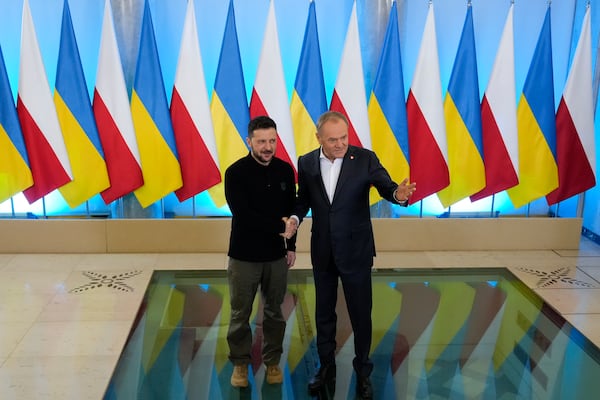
{"x": 239, "y": 377}
{"x": 274, "y": 374}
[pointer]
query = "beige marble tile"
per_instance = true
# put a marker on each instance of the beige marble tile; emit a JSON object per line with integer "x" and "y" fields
{"x": 408, "y": 259}
{"x": 30, "y": 281}
{"x": 572, "y": 301}
{"x": 99, "y": 262}
{"x": 22, "y": 307}
{"x": 11, "y": 334}
{"x": 465, "y": 259}
{"x": 56, "y": 378}
{"x": 5, "y": 259}
{"x": 73, "y": 338}
{"x": 43, "y": 262}
{"x": 191, "y": 261}
{"x": 586, "y": 248}
{"x": 101, "y": 305}
{"x": 533, "y": 259}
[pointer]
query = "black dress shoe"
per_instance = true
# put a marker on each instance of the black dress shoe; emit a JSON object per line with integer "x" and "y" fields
{"x": 364, "y": 389}
{"x": 323, "y": 382}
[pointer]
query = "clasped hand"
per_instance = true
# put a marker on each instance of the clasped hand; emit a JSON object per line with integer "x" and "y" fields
{"x": 291, "y": 227}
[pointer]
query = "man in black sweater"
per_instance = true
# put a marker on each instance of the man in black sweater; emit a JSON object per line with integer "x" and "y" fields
{"x": 260, "y": 191}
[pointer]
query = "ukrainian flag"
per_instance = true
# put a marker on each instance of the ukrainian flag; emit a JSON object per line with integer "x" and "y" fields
{"x": 76, "y": 118}
{"x": 538, "y": 170}
{"x": 152, "y": 122}
{"x": 15, "y": 174}
{"x": 387, "y": 108}
{"x": 229, "y": 106}
{"x": 308, "y": 99}
{"x": 462, "y": 112}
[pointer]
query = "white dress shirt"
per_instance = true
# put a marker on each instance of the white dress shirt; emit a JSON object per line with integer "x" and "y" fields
{"x": 330, "y": 172}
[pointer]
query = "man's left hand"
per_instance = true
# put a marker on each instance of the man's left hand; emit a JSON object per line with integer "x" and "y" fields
{"x": 405, "y": 190}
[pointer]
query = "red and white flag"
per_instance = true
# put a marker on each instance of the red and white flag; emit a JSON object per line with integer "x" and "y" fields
{"x": 48, "y": 157}
{"x": 269, "y": 95}
{"x": 499, "y": 120}
{"x": 426, "y": 127}
{"x": 349, "y": 95}
{"x": 113, "y": 117}
{"x": 575, "y": 145}
{"x": 190, "y": 114}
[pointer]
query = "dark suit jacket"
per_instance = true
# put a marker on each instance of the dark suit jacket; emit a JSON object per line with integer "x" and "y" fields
{"x": 342, "y": 228}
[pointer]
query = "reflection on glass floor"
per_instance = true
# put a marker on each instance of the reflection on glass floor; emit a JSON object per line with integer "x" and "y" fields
{"x": 438, "y": 334}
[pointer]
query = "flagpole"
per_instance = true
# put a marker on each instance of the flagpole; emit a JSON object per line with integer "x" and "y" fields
{"x": 44, "y": 207}
{"x": 194, "y": 206}
{"x": 580, "y": 204}
{"x": 119, "y": 208}
{"x": 12, "y": 207}
{"x": 492, "y": 207}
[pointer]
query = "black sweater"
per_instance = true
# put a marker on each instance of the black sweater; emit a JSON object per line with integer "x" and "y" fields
{"x": 259, "y": 197}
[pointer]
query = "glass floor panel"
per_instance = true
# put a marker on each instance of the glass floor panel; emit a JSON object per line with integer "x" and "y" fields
{"x": 437, "y": 334}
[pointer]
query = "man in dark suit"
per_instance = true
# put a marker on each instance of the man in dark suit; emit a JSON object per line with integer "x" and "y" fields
{"x": 334, "y": 182}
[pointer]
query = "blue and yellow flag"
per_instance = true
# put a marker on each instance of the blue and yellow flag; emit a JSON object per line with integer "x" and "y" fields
{"x": 15, "y": 174}
{"x": 308, "y": 99}
{"x": 152, "y": 122}
{"x": 229, "y": 106}
{"x": 387, "y": 108}
{"x": 538, "y": 170}
{"x": 462, "y": 112}
{"x": 77, "y": 123}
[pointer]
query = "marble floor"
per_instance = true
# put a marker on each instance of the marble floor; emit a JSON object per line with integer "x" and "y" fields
{"x": 65, "y": 318}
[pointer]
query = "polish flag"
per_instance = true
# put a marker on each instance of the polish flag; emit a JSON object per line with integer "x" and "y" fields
{"x": 190, "y": 114}
{"x": 428, "y": 150}
{"x": 269, "y": 95}
{"x": 48, "y": 157}
{"x": 499, "y": 120}
{"x": 575, "y": 145}
{"x": 113, "y": 117}
{"x": 349, "y": 95}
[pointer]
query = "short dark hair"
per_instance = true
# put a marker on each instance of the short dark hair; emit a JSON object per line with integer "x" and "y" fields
{"x": 261, "y": 122}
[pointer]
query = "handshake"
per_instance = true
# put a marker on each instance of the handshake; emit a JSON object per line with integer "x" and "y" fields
{"x": 291, "y": 227}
